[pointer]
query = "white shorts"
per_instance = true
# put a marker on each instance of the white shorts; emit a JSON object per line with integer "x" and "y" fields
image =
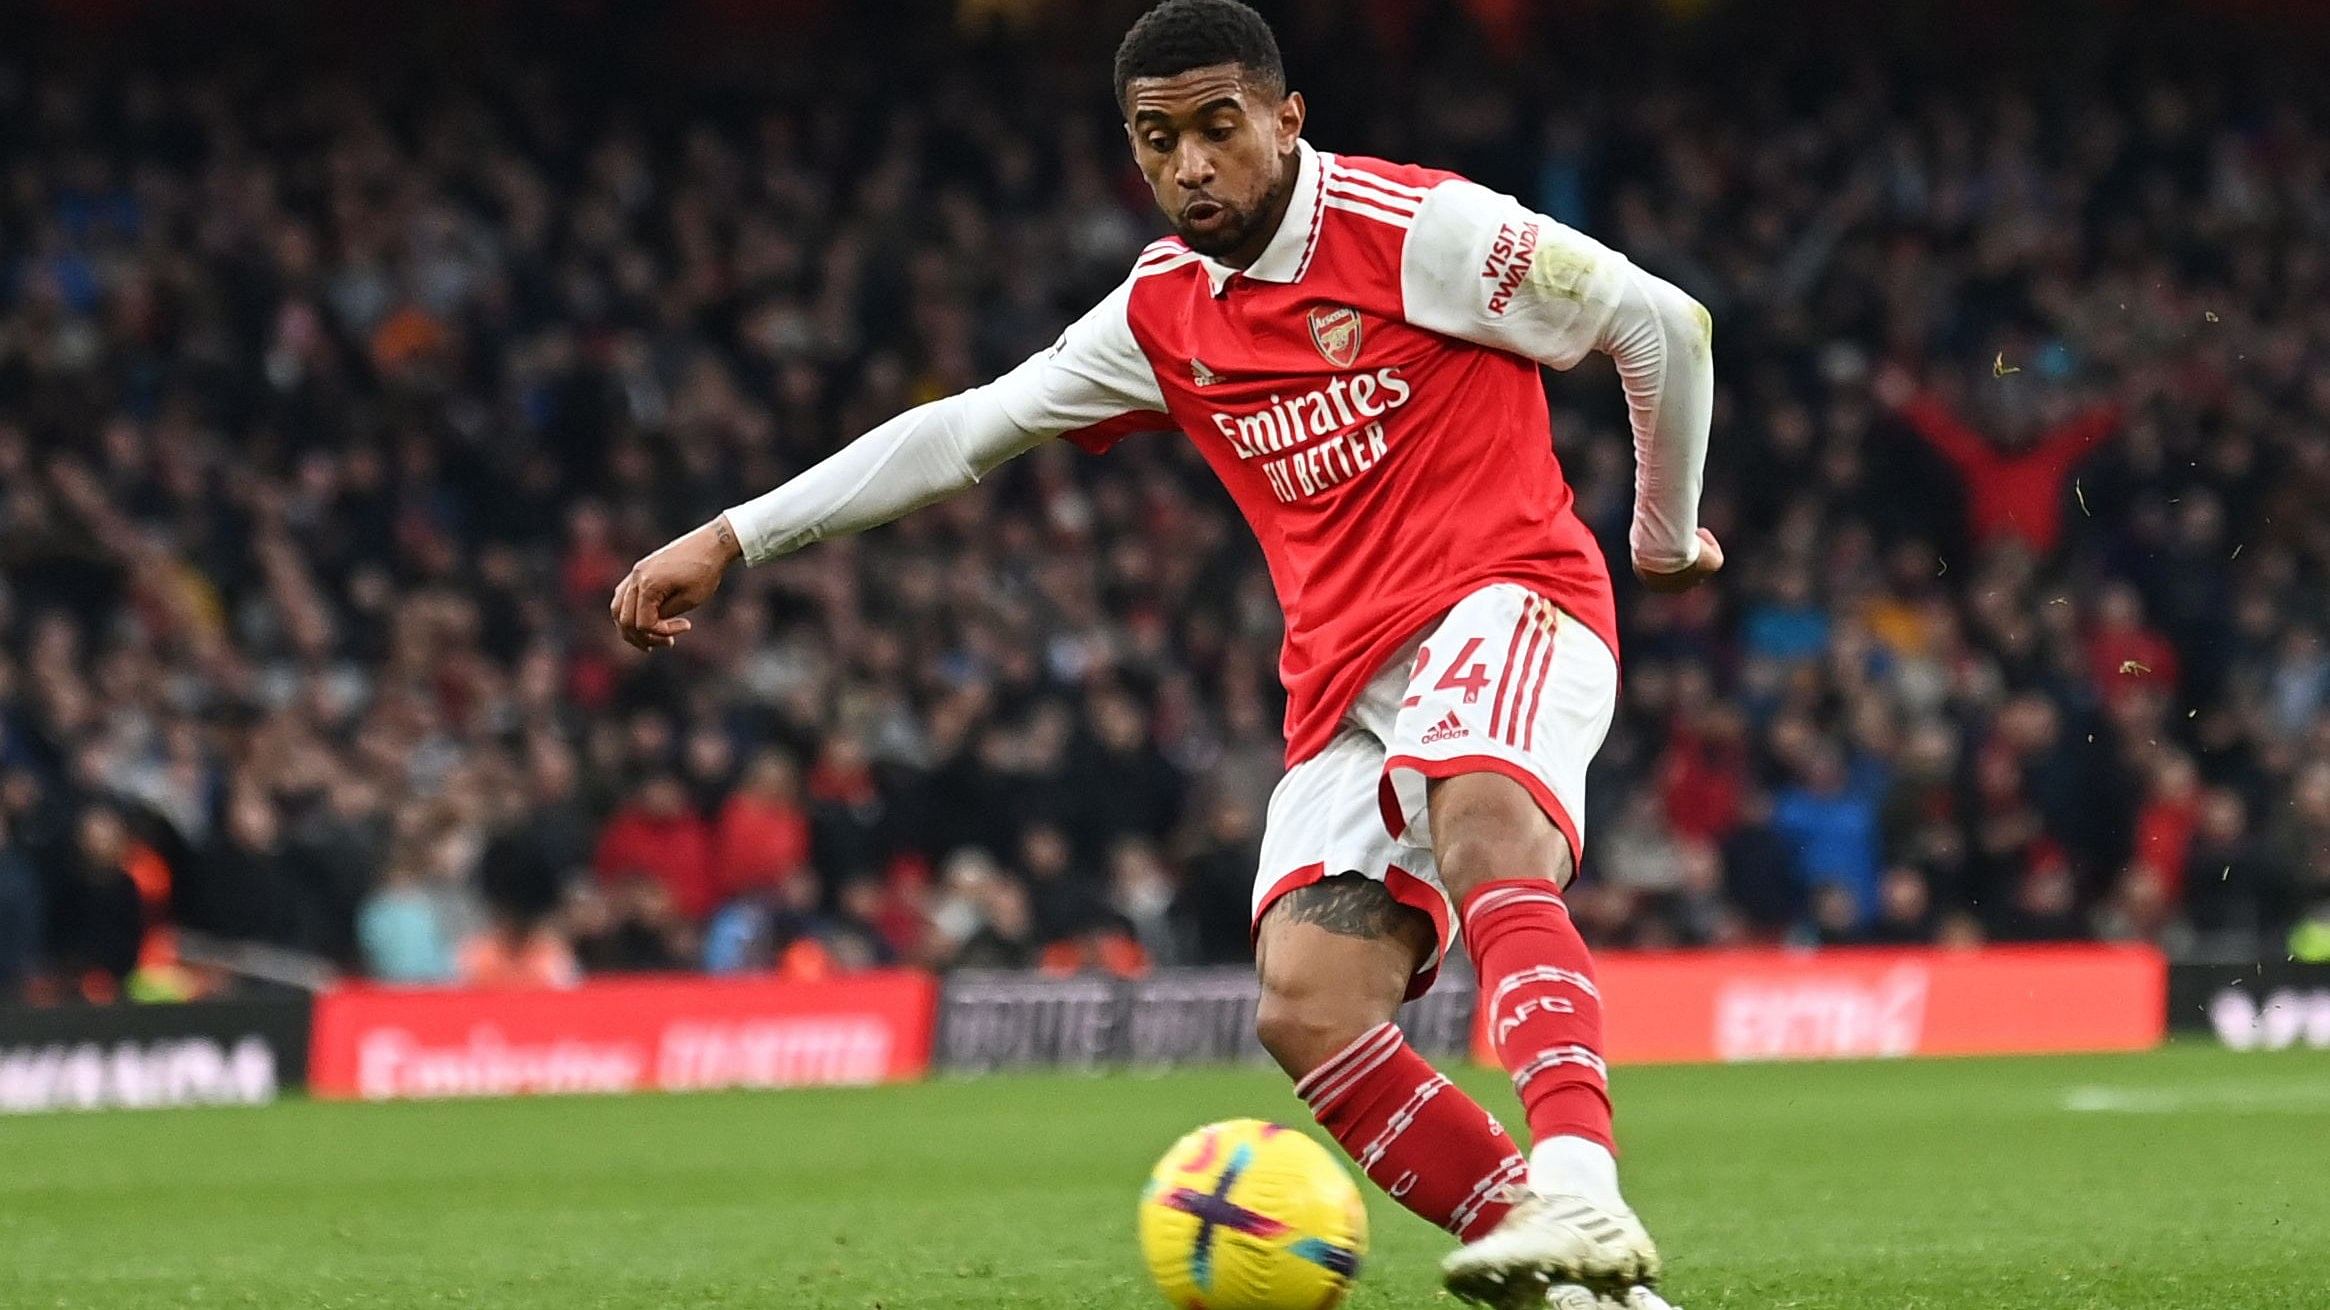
{"x": 1504, "y": 683}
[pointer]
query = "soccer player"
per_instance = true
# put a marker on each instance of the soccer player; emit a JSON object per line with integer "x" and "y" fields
{"x": 1353, "y": 346}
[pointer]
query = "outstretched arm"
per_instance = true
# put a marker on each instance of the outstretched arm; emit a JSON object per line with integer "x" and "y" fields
{"x": 1941, "y": 428}
{"x": 2070, "y": 443}
{"x": 1093, "y": 380}
{"x": 926, "y": 454}
{"x": 1482, "y": 266}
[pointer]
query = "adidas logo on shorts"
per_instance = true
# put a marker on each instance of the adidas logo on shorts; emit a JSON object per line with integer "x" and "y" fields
{"x": 1448, "y": 729}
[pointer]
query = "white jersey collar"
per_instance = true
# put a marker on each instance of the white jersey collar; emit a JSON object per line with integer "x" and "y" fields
{"x": 1288, "y": 255}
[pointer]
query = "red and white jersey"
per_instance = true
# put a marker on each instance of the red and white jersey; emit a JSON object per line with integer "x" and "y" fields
{"x": 1368, "y": 392}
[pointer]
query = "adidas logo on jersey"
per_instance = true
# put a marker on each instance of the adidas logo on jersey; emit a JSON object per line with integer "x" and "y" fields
{"x": 1448, "y": 729}
{"x": 1200, "y": 375}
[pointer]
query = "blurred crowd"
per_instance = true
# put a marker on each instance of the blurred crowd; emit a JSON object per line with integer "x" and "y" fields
{"x": 332, "y": 407}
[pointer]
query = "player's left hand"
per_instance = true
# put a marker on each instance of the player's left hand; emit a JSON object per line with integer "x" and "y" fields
{"x": 1709, "y": 563}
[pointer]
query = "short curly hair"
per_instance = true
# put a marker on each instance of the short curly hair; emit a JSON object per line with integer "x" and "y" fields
{"x": 1179, "y": 35}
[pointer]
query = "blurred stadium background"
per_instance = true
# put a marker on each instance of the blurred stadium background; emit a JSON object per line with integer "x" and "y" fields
{"x": 350, "y": 353}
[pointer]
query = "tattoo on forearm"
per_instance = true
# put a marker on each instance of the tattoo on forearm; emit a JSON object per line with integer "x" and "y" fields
{"x": 1346, "y": 905}
{"x": 721, "y": 531}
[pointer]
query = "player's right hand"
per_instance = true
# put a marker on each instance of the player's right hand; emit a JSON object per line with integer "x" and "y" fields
{"x": 672, "y": 581}
{"x": 1709, "y": 563}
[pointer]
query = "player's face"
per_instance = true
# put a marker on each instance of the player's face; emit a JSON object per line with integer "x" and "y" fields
{"x": 1219, "y": 155}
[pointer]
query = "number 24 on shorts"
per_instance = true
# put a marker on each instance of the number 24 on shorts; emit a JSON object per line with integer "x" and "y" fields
{"x": 1470, "y": 682}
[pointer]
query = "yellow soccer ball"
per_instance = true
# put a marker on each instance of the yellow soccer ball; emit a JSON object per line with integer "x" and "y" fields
{"x": 1246, "y": 1215}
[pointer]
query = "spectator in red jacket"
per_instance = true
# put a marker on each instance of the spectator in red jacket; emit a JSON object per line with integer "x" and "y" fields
{"x": 656, "y": 834}
{"x": 2166, "y": 822}
{"x": 2012, "y": 492}
{"x": 763, "y": 834}
{"x": 1704, "y": 778}
{"x": 591, "y": 563}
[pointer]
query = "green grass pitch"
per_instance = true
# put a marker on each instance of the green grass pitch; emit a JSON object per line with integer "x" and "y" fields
{"x": 2188, "y": 1178}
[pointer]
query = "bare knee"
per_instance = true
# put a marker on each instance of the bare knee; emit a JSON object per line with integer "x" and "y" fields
{"x": 1303, "y": 1027}
{"x": 1487, "y": 827}
{"x": 1335, "y": 960}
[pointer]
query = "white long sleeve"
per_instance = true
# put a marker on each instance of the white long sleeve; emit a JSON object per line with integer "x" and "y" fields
{"x": 1094, "y": 380}
{"x": 1482, "y": 266}
{"x": 926, "y": 454}
{"x": 1662, "y": 341}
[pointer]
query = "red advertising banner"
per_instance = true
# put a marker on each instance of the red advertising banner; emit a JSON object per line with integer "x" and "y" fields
{"x": 639, "y": 1034}
{"x": 1863, "y": 1003}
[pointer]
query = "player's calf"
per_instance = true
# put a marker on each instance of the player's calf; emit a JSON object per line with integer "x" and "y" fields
{"x": 1335, "y": 961}
{"x": 1415, "y": 1134}
{"x": 1504, "y": 859}
{"x": 1505, "y": 862}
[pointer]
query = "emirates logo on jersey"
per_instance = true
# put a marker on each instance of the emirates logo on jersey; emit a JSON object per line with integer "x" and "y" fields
{"x": 1336, "y": 333}
{"x": 1322, "y": 438}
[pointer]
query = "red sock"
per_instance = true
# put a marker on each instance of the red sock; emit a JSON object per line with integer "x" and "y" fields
{"x": 1544, "y": 1014}
{"x": 1434, "y": 1149}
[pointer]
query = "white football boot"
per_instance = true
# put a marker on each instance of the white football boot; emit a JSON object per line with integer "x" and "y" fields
{"x": 1547, "y": 1240}
{"x": 1571, "y": 1226}
{"x": 1572, "y": 1296}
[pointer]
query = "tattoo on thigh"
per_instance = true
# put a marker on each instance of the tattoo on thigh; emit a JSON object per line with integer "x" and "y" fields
{"x": 1348, "y": 906}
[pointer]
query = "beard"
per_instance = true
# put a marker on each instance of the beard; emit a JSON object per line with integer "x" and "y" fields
{"x": 1238, "y": 223}
{"x": 1231, "y": 232}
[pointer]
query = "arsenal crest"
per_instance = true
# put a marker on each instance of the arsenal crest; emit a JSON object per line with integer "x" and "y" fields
{"x": 1336, "y": 333}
